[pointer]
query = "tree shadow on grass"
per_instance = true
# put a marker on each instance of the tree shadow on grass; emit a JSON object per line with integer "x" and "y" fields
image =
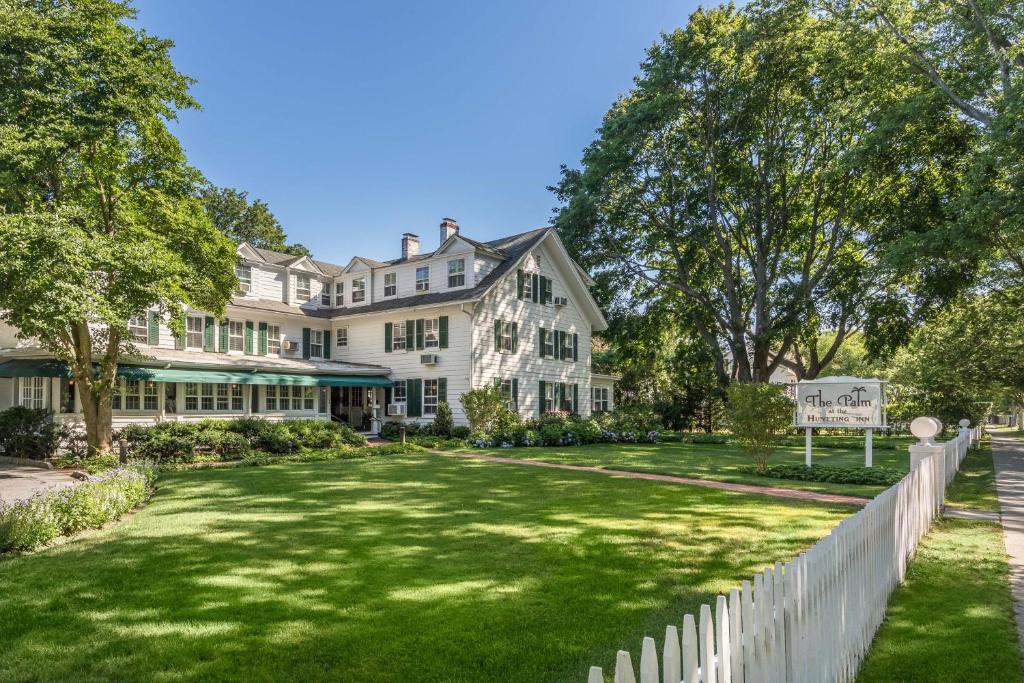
{"x": 411, "y": 568}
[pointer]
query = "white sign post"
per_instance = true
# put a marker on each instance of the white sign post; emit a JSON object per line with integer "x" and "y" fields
{"x": 847, "y": 402}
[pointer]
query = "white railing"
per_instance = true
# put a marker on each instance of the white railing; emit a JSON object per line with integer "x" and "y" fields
{"x": 813, "y": 618}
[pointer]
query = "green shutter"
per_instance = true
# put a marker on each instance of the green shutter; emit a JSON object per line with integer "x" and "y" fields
{"x": 442, "y": 331}
{"x": 305, "y": 342}
{"x": 410, "y": 335}
{"x": 515, "y": 337}
{"x": 576, "y": 399}
{"x": 575, "y": 347}
{"x": 442, "y": 390}
{"x": 387, "y": 337}
{"x": 262, "y": 346}
{"x": 224, "y": 335}
{"x": 419, "y": 334}
{"x": 519, "y": 283}
{"x": 497, "y": 335}
{"x": 515, "y": 393}
{"x": 414, "y": 397}
{"x": 535, "y": 287}
{"x": 249, "y": 325}
{"x": 540, "y": 406}
{"x": 327, "y": 344}
{"x": 543, "y": 338}
{"x": 154, "y": 329}
{"x": 208, "y": 326}
{"x": 558, "y": 344}
{"x": 542, "y": 282}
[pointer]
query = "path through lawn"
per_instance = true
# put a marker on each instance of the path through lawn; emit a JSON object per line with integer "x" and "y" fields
{"x": 410, "y": 568}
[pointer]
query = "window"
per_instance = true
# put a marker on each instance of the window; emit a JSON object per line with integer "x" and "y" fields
{"x": 549, "y": 397}
{"x": 138, "y": 331}
{"x": 194, "y": 332}
{"x": 244, "y": 275}
{"x": 599, "y": 403}
{"x": 507, "y": 395}
{"x": 296, "y": 397}
{"x": 236, "y": 332}
{"x": 430, "y": 397}
{"x": 567, "y": 346}
{"x": 457, "y": 272}
{"x": 548, "y": 342}
{"x": 430, "y": 334}
{"x": 325, "y": 294}
{"x": 339, "y": 293}
{"x": 302, "y": 291}
{"x": 398, "y": 336}
{"x": 527, "y": 286}
{"x": 398, "y": 392}
{"x": 273, "y": 339}
{"x": 359, "y": 290}
{"x": 506, "y": 336}
{"x": 325, "y": 398}
{"x": 236, "y": 397}
{"x": 316, "y": 343}
{"x": 149, "y": 397}
{"x": 271, "y": 401}
{"x": 191, "y": 396}
{"x": 342, "y": 337}
{"x": 308, "y": 397}
{"x": 131, "y": 394}
{"x": 32, "y": 392}
{"x": 390, "y": 284}
{"x": 422, "y": 278}
{"x": 207, "y": 396}
{"x": 222, "y": 397}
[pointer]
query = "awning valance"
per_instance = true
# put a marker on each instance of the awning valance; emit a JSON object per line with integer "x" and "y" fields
{"x": 24, "y": 367}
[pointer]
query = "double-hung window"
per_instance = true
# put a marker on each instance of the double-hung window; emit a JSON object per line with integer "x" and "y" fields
{"x": 325, "y": 294}
{"x": 308, "y": 397}
{"x": 567, "y": 346}
{"x": 398, "y": 392}
{"x": 342, "y": 337}
{"x": 549, "y": 397}
{"x": 137, "y": 329}
{"x": 398, "y": 336}
{"x": 358, "y": 290}
{"x": 316, "y": 343}
{"x": 222, "y": 397}
{"x": 191, "y": 396}
{"x": 236, "y": 397}
{"x": 422, "y": 278}
{"x": 600, "y": 399}
{"x": 131, "y": 394}
{"x": 390, "y": 284}
{"x": 339, "y": 293}
{"x": 149, "y": 395}
{"x": 273, "y": 339}
{"x": 430, "y": 397}
{"x": 431, "y": 340}
{"x": 32, "y": 392}
{"x": 271, "y": 398}
{"x": 527, "y": 286}
{"x": 302, "y": 288}
{"x": 236, "y": 335}
{"x": 194, "y": 332}
{"x": 207, "y": 396}
{"x": 507, "y": 395}
{"x": 549, "y": 344}
{"x": 244, "y": 275}
{"x": 506, "y": 336}
{"x": 457, "y": 272}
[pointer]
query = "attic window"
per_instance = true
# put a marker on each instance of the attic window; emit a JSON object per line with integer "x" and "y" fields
{"x": 422, "y": 278}
{"x": 358, "y": 290}
{"x": 457, "y": 272}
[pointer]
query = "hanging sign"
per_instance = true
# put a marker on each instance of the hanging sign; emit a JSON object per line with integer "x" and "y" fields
{"x": 848, "y": 402}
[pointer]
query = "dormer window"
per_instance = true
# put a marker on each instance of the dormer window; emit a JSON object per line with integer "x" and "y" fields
{"x": 325, "y": 294}
{"x": 339, "y": 293}
{"x": 422, "y": 278}
{"x": 244, "y": 275}
{"x": 302, "y": 290}
{"x": 390, "y": 284}
{"x": 457, "y": 272}
{"x": 358, "y": 290}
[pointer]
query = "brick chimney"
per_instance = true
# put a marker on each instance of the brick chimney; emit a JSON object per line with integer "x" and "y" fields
{"x": 448, "y": 228}
{"x": 410, "y": 245}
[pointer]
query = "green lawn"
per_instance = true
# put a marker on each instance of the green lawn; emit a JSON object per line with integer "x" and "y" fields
{"x": 711, "y": 461}
{"x": 953, "y": 619}
{"x": 408, "y": 568}
{"x": 975, "y": 484}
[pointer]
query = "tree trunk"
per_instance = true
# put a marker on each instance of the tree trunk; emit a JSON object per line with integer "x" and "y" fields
{"x": 97, "y": 413}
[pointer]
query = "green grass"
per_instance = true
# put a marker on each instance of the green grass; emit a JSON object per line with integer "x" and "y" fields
{"x": 975, "y": 484}
{"x": 953, "y": 619}
{"x": 408, "y": 568}
{"x": 711, "y": 461}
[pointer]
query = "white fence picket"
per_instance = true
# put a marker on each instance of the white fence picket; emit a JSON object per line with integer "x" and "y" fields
{"x": 813, "y": 618}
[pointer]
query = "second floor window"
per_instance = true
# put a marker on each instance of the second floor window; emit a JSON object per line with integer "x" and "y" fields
{"x": 390, "y": 284}
{"x": 273, "y": 339}
{"x": 137, "y": 329}
{"x": 236, "y": 333}
{"x": 316, "y": 343}
{"x": 506, "y": 336}
{"x": 302, "y": 291}
{"x": 422, "y": 278}
{"x": 430, "y": 337}
{"x": 325, "y": 294}
{"x": 457, "y": 272}
{"x": 398, "y": 336}
{"x": 244, "y": 275}
{"x": 358, "y": 290}
{"x": 342, "y": 336}
{"x": 194, "y": 332}
{"x": 339, "y": 293}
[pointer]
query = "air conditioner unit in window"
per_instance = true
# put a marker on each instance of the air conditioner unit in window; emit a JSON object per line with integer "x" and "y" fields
{"x": 396, "y": 409}
{"x": 289, "y": 346}
{"x": 561, "y": 301}
{"x": 243, "y": 288}
{"x": 430, "y": 359}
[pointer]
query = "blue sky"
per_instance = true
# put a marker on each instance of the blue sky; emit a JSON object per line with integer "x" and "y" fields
{"x": 358, "y": 122}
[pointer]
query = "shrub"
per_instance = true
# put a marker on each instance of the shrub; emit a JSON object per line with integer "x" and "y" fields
{"x": 443, "y": 422}
{"x": 759, "y": 414}
{"x": 461, "y": 432}
{"x": 884, "y": 476}
{"x": 29, "y": 433}
{"x": 482, "y": 407}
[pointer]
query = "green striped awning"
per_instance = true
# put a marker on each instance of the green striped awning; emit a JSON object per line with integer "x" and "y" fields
{"x": 23, "y": 367}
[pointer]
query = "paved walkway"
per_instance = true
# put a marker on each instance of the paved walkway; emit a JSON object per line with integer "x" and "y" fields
{"x": 18, "y": 482}
{"x": 1008, "y": 457}
{"x": 792, "y": 494}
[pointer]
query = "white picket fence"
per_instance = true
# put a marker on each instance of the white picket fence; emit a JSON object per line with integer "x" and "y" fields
{"x": 812, "y": 619}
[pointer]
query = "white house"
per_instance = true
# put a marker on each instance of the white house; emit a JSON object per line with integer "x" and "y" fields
{"x": 359, "y": 343}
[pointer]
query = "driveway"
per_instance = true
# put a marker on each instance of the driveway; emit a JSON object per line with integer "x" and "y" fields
{"x": 18, "y": 482}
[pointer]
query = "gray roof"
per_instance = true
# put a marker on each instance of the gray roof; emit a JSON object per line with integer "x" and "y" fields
{"x": 279, "y": 307}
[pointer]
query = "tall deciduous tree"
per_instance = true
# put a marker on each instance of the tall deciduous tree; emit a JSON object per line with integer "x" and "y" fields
{"x": 101, "y": 218}
{"x": 738, "y": 179}
{"x": 243, "y": 221}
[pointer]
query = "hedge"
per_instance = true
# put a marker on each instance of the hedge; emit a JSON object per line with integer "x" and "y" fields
{"x": 882, "y": 476}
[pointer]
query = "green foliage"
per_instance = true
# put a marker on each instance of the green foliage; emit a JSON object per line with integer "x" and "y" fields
{"x": 29, "y": 524}
{"x": 338, "y": 453}
{"x": 759, "y": 414}
{"x": 443, "y": 422}
{"x": 233, "y": 214}
{"x": 28, "y": 433}
{"x": 883, "y": 476}
{"x": 483, "y": 407}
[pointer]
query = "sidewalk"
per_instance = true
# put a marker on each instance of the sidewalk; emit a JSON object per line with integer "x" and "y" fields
{"x": 18, "y": 482}
{"x": 1008, "y": 457}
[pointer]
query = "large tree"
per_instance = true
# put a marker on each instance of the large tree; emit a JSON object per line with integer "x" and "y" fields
{"x": 101, "y": 218}
{"x": 243, "y": 221}
{"x": 739, "y": 179}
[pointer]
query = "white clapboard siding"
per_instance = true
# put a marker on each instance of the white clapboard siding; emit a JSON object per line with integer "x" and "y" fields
{"x": 811, "y": 619}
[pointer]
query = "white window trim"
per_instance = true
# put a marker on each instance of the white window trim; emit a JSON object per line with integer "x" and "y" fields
{"x": 461, "y": 272}
{"x": 341, "y": 337}
{"x": 423, "y": 285}
{"x": 427, "y": 342}
{"x": 316, "y": 343}
{"x": 35, "y": 389}
{"x": 198, "y": 332}
{"x": 432, "y": 407}
{"x": 395, "y": 336}
{"x": 274, "y": 340}
{"x": 303, "y": 288}
{"x": 360, "y": 290}
{"x": 394, "y": 285}
{"x": 236, "y": 339}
